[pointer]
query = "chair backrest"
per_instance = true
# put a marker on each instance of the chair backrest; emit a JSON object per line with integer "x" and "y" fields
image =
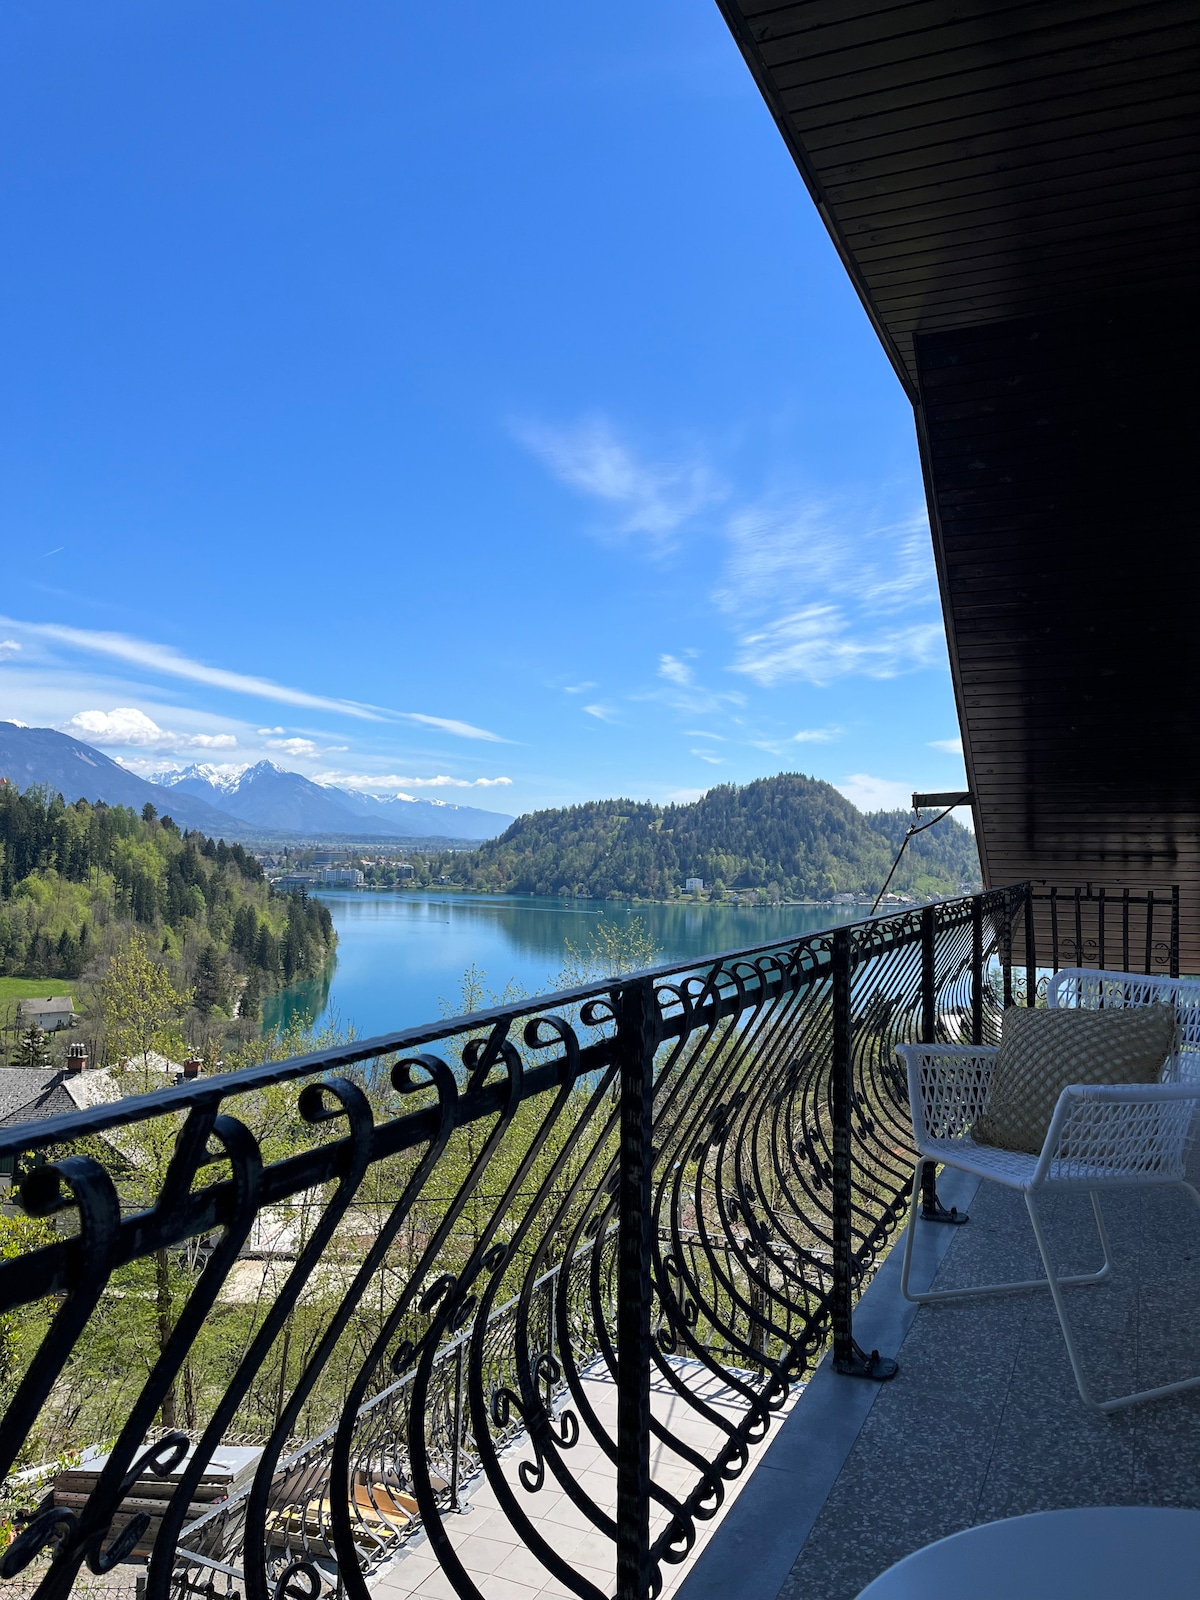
{"x": 1092, "y": 989}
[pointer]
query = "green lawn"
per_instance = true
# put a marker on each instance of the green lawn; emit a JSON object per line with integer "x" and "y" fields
{"x": 37, "y": 988}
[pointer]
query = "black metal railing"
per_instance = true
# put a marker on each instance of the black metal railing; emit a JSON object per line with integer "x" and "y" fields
{"x": 1121, "y": 929}
{"x": 459, "y": 1260}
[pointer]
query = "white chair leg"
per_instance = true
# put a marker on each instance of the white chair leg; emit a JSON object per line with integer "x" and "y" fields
{"x": 910, "y": 1231}
{"x": 1105, "y": 1407}
{"x": 936, "y": 1296}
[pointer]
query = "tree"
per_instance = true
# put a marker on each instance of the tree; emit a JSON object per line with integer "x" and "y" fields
{"x": 140, "y": 1006}
{"x": 32, "y": 1049}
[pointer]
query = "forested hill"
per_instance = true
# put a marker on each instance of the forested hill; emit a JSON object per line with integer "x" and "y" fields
{"x": 76, "y": 880}
{"x": 795, "y": 837}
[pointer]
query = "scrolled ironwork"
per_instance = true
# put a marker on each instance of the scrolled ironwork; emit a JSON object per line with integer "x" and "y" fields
{"x": 412, "y": 1289}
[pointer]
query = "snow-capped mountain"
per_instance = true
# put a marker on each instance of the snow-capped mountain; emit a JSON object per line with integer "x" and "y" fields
{"x": 273, "y": 798}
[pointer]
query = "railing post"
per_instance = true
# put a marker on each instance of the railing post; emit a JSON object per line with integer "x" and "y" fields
{"x": 848, "y": 1356}
{"x": 977, "y": 969}
{"x": 932, "y": 1209}
{"x": 457, "y": 1440}
{"x": 637, "y": 1016}
{"x": 1031, "y": 947}
{"x": 1174, "y": 952}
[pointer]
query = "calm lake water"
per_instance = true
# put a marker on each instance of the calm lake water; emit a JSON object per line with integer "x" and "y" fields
{"x": 401, "y": 955}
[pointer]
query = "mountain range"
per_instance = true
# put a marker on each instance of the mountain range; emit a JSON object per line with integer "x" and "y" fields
{"x": 257, "y": 800}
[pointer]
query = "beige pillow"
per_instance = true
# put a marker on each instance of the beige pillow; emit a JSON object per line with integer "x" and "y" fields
{"x": 1041, "y": 1052}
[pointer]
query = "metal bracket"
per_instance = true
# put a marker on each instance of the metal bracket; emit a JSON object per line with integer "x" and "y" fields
{"x": 932, "y": 1210}
{"x": 861, "y": 1365}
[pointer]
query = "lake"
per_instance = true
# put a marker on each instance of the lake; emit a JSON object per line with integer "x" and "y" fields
{"x": 400, "y": 956}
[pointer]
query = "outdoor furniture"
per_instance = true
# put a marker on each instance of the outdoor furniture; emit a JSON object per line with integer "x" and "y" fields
{"x": 1110, "y": 1137}
{"x": 1091, "y": 989}
{"x": 1091, "y": 1553}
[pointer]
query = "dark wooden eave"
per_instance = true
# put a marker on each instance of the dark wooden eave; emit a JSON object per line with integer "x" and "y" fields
{"x": 1015, "y": 192}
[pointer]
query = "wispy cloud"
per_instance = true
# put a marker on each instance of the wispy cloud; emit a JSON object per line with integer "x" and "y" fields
{"x": 163, "y": 659}
{"x": 875, "y": 794}
{"x": 816, "y": 643}
{"x": 601, "y": 713}
{"x": 707, "y": 755}
{"x": 8, "y": 649}
{"x": 650, "y": 498}
{"x": 776, "y": 747}
{"x": 372, "y": 782}
{"x": 823, "y": 590}
{"x": 674, "y": 670}
{"x": 949, "y": 747}
{"x": 125, "y": 727}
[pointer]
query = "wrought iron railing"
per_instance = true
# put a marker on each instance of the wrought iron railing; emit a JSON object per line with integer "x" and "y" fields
{"x": 407, "y": 1267}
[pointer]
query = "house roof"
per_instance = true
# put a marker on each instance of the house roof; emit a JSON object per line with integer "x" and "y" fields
{"x": 31, "y": 1094}
{"x": 53, "y": 1002}
{"x": 1014, "y": 189}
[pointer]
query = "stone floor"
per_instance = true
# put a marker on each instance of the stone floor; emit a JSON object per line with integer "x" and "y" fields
{"x": 984, "y": 1420}
{"x": 492, "y": 1552}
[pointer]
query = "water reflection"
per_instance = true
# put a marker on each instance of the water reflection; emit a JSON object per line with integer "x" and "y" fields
{"x": 401, "y": 956}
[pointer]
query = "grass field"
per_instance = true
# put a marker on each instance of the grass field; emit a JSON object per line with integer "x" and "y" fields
{"x": 13, "y": 989}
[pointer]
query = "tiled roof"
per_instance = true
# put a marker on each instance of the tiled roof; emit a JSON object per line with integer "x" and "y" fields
{"x": 31, "y": 1094}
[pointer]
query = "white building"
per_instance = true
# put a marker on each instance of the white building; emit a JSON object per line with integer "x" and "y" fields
{"x": 693, "y": 885}
{"x": 343, "y": 877}
{"x": 56, "y": 1011}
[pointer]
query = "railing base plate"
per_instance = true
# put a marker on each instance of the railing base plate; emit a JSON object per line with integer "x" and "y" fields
{"x": 935, "y": 1211}
{"x": 858, "y": 1364}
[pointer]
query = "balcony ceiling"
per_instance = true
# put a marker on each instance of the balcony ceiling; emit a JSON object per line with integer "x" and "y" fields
{"x": 1015, "y": 193}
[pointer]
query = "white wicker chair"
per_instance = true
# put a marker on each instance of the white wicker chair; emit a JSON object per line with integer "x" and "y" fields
{"x": 1092, "y": 989}
{"x": 1099, "y": 1138}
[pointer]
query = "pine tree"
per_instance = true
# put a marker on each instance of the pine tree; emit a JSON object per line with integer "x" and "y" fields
{"x": 32, "y": 1048}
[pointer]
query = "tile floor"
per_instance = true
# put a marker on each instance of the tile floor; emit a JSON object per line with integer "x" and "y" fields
{"x": 495, "y": 1556}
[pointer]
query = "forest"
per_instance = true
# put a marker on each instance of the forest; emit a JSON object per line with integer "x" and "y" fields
{"x": 790, "y": 837}
{"x": 76, "y": 881}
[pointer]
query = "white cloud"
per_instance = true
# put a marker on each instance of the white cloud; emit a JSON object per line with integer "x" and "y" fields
{"x": 652, "y": 499}
{"x": 815, "y": 643}
{"x": 371, "y": 782}
{"x": 702, "y": 733}
{"x": 815, "y": 736}
{"x": 577, "y": 688}
{"x": 707, "y": 755}
{"x": 674, "y": 670}
{"x": 128, "y": 728}
{"x": 168, "y": 661}
{"x": 949, "y": 747}
{"x": 601, "y": 713}
{"x": 8, "y": 649}
{"x": 825, "y": 590}
{"x": 294, "y": 747}
{"x": 875, "y": 794}
{"x": 271, "y": 730}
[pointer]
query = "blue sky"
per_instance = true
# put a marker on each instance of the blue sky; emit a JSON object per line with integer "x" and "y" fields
{"x": 460, "y": 399}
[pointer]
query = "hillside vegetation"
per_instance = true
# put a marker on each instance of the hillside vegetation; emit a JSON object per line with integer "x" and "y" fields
{"x": 76, "y": 880}
{"x": 790, "y": 836}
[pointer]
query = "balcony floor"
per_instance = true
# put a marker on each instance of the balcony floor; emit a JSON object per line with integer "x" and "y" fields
{"x": 984, "y": 1420}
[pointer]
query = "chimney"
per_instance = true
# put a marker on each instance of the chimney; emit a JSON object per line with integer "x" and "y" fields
{"x": 191, "y": 1069}
{"x": 76, "y": 1058}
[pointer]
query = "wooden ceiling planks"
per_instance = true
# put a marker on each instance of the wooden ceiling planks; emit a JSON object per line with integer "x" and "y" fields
{"x": 1015, "y": 192}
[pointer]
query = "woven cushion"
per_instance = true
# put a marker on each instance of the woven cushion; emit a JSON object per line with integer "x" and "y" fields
{"x": 1041, "y": 1052}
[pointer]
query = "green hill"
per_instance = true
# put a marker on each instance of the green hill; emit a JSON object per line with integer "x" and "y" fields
{"x": 791, "y": 836}
{"x": 75, "y": 880}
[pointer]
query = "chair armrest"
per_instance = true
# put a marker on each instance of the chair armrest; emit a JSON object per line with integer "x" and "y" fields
{"x": 1119, "y": 1133}
{"x": 948, "y": 1087}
